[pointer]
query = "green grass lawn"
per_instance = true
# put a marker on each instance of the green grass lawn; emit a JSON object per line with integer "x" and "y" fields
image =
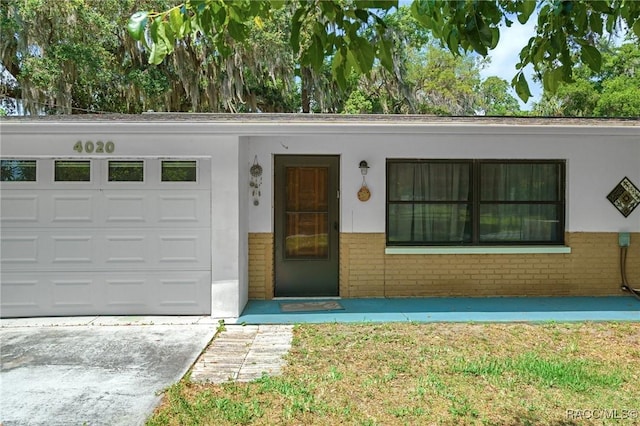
{"x": 423, "y": 374}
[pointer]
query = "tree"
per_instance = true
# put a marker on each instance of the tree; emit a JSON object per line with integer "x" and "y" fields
{"x": 613, "y": 91}
{"x": 495, "y": 98}
{"x": 426, "y": 78}
{"x": 64, "y": 56}
{"x": 445, "y": 84}
{"x": 75, "y": 56}
{"x": 336, "y": 29}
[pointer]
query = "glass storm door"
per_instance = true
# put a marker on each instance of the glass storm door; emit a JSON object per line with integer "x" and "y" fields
{"x": 306, "y": 226}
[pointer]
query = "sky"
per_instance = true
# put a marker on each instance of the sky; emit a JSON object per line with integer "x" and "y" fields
{"x": 507, "y": 54}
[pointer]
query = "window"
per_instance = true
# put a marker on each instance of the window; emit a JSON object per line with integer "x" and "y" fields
{"x": 72, "y": 171}
{"x": 179, "y": 171}
{"x": 475, "y": 202}
{"x": 18, "y": 170}
{"x": 126, "y": 171}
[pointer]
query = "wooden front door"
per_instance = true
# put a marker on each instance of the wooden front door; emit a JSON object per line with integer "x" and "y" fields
{"x": 306, "y": 226}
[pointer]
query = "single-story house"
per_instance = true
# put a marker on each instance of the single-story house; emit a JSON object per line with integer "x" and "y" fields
{"x": 179, "y": 214}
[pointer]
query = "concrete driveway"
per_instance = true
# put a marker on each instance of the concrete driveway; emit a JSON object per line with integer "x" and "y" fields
{"x": 96, "y": 371}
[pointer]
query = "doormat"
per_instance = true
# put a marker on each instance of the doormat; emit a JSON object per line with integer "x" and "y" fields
{"x": 323, "y": 305}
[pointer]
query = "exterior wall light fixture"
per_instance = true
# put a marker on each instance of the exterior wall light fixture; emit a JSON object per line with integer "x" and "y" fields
{"x": 363, "y": 193}
{"x": 364, "y": 167}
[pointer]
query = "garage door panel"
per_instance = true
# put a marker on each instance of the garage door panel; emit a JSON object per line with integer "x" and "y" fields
{"x": 19, "y": 293}
{"x": 72, "y": 249}
{"x": 18, "y": 249}
{"x": 180, "y": 291}
{"x": 75, "y": 293}
{"x": 102, "y": 249}
{"x": 18, "y": 208}
{"x": 125, "y": 208}
{"x": 76, "y": 208}
{"x": 126, "y": 292}
{"x": 180, "y": 248}
{"x": 106, "y": 247}
{"x": 126, "y": 249}
{"x": 178, "y": 208}
{"x": 106, "y": 293}
{"x": 156, "y": 208}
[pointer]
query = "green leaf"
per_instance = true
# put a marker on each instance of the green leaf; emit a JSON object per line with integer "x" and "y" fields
{"x": 495, "y": 38}
{"x": 158, "y": 52}
{"x": 595, "y": 22}
{"x": 384, "y": 52}
{"x": 337, "y": 69}
{"x": 484, "y": 31}
{"x": 351, "y": 63}
{"x": 636, "y": 28}
{"x": 238, "y": 31}
{"x": 137, "y": 24}
{"x": 526, "y": 9}
{"x": 420, "y": 15}
{"x": 315, "y": 53}
{"x": 551, "y": 79}
{"x": 362, "y": 14}
{"x": 453, "y": 42}
{"x": 363, "y": 52}
{"x": 477, "y": 44}
{"x": 383, "y": 4}
{"x": 296, "y": 23}
{"x": 519, "y": 83}
{"x": 176, "y": 20}
{"x": 591, "y": 56}
{"x": 600, "y": 7}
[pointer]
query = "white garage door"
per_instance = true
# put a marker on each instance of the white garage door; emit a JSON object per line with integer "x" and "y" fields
{"x": 105, "y": 237}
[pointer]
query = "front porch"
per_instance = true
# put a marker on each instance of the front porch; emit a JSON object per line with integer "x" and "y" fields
{"x": 463, "y": 309}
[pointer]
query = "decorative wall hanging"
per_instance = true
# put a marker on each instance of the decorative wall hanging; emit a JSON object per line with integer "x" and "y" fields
{"x": 363, "y": 193}
{"x": 255, "y": 181}
{"x": 625, "y": 197}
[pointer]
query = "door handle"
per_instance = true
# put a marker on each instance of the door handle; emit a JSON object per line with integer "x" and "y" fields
{"x": 335, "y": 225}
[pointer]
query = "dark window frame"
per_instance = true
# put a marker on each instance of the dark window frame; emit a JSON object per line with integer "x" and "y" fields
{"x": 476, "y": 203}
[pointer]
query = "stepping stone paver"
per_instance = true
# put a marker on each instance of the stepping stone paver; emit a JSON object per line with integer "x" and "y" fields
{"x": 244, "y": 353}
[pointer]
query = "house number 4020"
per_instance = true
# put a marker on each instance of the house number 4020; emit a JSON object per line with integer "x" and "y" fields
{"x": 90, "y": 147}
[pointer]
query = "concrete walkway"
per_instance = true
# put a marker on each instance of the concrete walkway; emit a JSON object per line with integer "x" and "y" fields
{"x": 244, "y": 353}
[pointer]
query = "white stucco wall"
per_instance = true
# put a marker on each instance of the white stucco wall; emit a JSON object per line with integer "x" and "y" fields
{"x": 228, "y": 251}
{"x": 596, "y": 161}
{"x": 598, "y": 157}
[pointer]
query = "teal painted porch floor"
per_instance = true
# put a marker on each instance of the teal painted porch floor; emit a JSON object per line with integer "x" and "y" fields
{"x": 459, "y": 309}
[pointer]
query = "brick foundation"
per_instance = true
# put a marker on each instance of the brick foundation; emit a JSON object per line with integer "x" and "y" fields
{"x": 261, "y": 266}
{"x": 591, "y": 269}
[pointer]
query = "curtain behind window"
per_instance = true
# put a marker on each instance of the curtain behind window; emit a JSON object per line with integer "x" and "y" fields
{"x": 429, "y": 202}
{"x": 513, "y": 198}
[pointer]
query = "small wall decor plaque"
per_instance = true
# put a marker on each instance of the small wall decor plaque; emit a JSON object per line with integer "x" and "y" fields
{"x": 625, "y": 197}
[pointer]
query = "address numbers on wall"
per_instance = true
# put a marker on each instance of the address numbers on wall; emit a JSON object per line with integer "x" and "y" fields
{"x": 99, "y": 147}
